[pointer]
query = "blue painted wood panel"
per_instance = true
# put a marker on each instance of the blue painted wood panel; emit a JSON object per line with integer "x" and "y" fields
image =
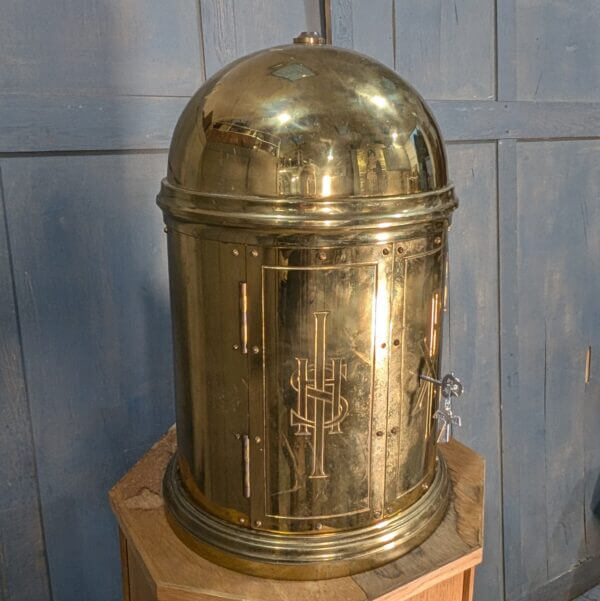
{"x": 558, "y": 50}
{"x": 23, "y": 570}
{"x": 550, "y": 415}
{"x": 446, "y": 49}
{"x": 366, "y": 27}
{"x": 472, "y": 335}
{"x": 63, "y": 47}
{"x": 89, "y": 258}
{"x": 234, "y": 28}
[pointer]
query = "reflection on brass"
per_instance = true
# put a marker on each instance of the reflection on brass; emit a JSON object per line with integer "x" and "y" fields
{"x": 307, "y": 205}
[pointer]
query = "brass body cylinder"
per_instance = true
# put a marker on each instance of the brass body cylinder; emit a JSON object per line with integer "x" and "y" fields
{"x": 307, "y": 206}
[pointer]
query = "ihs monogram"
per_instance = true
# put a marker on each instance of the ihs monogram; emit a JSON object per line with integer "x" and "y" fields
{"x": 320, "y": 406}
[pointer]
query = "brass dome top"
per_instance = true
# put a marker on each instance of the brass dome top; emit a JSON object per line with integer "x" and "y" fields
{"x": 305, "y": 121}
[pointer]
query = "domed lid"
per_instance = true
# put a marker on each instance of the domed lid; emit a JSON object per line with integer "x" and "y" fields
{"x": 304, "y": 122}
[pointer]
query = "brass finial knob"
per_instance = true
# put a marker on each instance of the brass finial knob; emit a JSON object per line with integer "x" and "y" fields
{"x": 310, "y": 38}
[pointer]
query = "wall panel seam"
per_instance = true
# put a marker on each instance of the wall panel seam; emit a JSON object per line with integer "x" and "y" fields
{"x": 201, "y": 40}
{"x": 11, "y": 283}
{"x": 499, "y": 342}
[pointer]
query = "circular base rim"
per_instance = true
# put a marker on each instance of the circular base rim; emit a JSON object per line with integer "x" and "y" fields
{"x": 303, "y": 556}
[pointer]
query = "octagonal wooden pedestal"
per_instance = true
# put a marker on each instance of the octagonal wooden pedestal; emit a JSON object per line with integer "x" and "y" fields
{"x": 157, "y": 566}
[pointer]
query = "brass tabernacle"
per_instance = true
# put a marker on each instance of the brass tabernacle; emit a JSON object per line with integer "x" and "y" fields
{"x": 307, "y": 205}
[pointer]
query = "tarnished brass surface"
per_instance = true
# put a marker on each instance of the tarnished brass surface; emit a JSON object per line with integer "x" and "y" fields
{"x": 307, "y": 205}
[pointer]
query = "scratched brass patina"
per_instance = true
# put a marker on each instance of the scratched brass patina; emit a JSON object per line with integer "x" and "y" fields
{"x": 307, "y": 205}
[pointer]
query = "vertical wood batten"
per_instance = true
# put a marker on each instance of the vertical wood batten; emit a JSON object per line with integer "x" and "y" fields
{"x": 471, "y": 342}
{"x": 506, "y": 52}
{"x": 591, "y": 396}
{"x": 23, "y": 568}
{"x": 522, "y": 440}
{"x": 506, "y": 88}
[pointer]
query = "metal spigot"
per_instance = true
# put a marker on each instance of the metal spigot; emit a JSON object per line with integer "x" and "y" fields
{"x": 450, "y": 386}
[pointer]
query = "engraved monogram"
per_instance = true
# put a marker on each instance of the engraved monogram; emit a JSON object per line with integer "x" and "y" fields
{"x": 320, "y": 407}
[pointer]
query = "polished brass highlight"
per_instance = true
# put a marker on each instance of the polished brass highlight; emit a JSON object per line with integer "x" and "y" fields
{"x": 307, "y": 206}
{"x": 244, "y": 317}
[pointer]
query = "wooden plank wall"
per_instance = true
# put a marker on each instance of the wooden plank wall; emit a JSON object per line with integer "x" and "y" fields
{"x": 84, "y": 243}
{"x": 90, "y": 93}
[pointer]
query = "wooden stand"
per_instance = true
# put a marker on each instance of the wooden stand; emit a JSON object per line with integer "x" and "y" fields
{"x": 157, "y": 566}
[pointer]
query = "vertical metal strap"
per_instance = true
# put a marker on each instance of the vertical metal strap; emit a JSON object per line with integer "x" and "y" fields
{"x": 246, "y": 459}
{"x": 244, "y": 317}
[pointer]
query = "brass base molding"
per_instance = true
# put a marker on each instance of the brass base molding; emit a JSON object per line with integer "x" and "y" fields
{"x": 303, "y": 556}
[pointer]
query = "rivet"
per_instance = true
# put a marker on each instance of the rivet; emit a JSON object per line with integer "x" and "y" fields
{"x": 165, "y": 229}
{"x": 377, "y": 514}
{"x": 386, "y": 251}
{"x": 396, "y": 342}
{"x": 235, "y": 252}
{"x": 322, "y": 256}
{"x": 236, "y": 347}
{"x": 242, "y": 520}
{"x": 383, "y": 345}
{"x": 425, "y": 486}
{"x": 379, "y": 433}
{"x": 254, "y": 252}
{"x": 258, "y": 523}
{"x": 255, "y": 350}
{"x": 238, "y": 435}
{"x": 437, "y": 240}
{"x": 318, "y": 526}
{"x": 400, "y": 250}
{"x": 394, "y": 430}
{"x": 257, "y": 439}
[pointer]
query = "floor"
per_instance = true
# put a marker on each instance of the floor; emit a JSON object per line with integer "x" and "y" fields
{"x": 591, "y": 595}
